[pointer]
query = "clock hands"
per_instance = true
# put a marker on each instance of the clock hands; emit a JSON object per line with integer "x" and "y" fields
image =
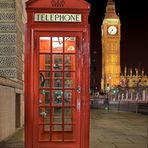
{"x": 112, "y": 30}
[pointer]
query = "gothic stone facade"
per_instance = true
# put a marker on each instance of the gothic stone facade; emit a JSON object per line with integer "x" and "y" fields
{"x": 110, "y": 47}
{"x": 12, "y": 20}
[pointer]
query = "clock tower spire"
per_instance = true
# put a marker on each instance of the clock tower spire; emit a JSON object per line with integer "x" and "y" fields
{"x": 110, "y": 10}
{"x": 110, "y": 48}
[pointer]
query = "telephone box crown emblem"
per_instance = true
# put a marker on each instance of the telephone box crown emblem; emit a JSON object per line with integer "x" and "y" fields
{"x": 57, "y": 3}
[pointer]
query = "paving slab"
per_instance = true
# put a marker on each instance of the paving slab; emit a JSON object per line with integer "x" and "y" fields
{"x": 108, "y": 129}
{"x": 118, "y": 129}
{"x": 102, "y": 145}
{"x": 131, "y": 145}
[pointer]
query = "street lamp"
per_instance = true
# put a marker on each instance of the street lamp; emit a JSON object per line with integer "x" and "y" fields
{"x": 94, "y": 70}
{"x": 110, "y": 82}
{"x": 94, "y": 76}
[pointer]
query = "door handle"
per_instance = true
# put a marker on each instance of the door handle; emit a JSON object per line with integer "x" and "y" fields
{"x": 79, "y": 89}
{"x": 43, "y": 114}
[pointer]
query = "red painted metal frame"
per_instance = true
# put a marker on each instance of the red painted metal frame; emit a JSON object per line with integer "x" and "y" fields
{"x": 40, "y": 6}
{"x": 35, "y": 133}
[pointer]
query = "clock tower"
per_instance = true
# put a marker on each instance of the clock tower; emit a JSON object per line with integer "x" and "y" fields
{"x": 110, "y": 48}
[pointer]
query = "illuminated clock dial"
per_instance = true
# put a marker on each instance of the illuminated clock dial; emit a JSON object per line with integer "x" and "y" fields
{"x": 112, "y": 30}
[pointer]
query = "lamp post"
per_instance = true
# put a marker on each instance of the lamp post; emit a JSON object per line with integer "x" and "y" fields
{"x": 94, "y": 71}
{"x": 94, "y": 76}
{"x": 110, "y": 82}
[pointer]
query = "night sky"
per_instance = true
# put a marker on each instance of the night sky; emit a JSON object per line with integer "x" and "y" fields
{"x": 134, "y": 34}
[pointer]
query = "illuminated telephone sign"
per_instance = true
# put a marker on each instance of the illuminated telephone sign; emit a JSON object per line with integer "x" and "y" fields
{"x": 57, "y": 17}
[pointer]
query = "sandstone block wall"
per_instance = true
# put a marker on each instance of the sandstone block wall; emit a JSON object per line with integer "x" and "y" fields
{"x": 12, "y": 16}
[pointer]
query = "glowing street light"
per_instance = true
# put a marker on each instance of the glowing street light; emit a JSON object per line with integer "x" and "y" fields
{"x": 110, "y": 82}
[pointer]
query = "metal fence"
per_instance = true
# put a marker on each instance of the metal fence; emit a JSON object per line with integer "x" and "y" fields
{"x": 119, "y": 105}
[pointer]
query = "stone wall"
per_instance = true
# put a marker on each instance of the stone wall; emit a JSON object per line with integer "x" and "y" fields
{"x": 11, "y": 39}
{"x": 12, "y": 16}
{"x": 7, "y": 111}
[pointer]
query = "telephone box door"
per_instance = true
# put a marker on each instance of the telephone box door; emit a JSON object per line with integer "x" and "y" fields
{"x": 57, "y": 90}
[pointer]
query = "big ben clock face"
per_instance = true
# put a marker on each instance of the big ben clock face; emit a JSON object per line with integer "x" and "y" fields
{"x": 112, "y": 30}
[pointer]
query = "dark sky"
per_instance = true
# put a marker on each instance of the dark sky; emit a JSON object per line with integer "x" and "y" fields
{"x": 134, "y": 33}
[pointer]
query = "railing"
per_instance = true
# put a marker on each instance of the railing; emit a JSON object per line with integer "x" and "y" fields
{"x": 131, "y": 105}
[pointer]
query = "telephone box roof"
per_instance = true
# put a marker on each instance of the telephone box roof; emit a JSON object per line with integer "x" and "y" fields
{"x": 59, "y": 4}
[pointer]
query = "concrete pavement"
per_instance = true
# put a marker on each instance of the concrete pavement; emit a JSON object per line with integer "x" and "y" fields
{"x": 109, "y": 129}
{"x": 15, "y": 141}
{"x": 112, "y": 129}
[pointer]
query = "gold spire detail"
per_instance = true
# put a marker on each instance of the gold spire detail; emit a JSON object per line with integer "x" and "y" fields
{"x": 131, "y": 72}
{"x": 142, "y": 72}
{"x": 110, "y": 10}
{"x": 110, "y": 2}
{"x": 136, "y": 69}
{"x": 125, "y": 71}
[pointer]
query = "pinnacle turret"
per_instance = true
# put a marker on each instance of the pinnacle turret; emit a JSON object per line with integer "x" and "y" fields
{"x": 110, "y": 2}
{"x": 110, "y": 10}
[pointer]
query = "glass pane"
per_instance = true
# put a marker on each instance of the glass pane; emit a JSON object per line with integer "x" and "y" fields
{"x": 44, "y": 62}
{"x": 44, "y": 82}
{"x": 45, "y": 44}
{"x": 67, "y": 74}
{"x": 57, "y": 97}
{"x": 57, "y": 111}
{"x": 57, "y": 62}
{"x": 57, "y": 75}
{"x": 45, "y": 117}
{"x": 41, "y": 117}
{"x": 47, "y": 59}
{"x": 44, "y": 112}
{"x": 47, "y": 83}
{"x": 57, "y": 83}
{"x": 46, "y": 127}
{"x": 44, "y": 98}
{"x": 69, "y": 62}
{"x": 57, "y": 80}
{"x": 57, "y": 128}
{"x": 69, "y": 81}
{"x": 57, "y": 44}
{"x": 47, "y": 110}
{"x": 70, "y": 44}
{"x": 46, "y": 124}
{"x": 67, "y": 120}
{"x": 57, "y": 115}
{"x": 68, "y": 97}
{"x": 68, "y": 128}
{"x": 57, "y": 120}
{"x": 68, "y": 111}
{"x": 47, "y": 75}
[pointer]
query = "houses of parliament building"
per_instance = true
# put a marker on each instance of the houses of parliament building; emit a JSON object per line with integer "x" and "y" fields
{"x": 111, "y": 68}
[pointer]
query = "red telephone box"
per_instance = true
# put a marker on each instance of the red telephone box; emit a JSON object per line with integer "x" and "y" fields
{"x": 57, "y": 74}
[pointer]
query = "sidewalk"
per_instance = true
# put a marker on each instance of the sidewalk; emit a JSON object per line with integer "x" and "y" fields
{"x": 16, "y": 141}
{"x": 118, "y": 130}
{"x": 109, "y": 129}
